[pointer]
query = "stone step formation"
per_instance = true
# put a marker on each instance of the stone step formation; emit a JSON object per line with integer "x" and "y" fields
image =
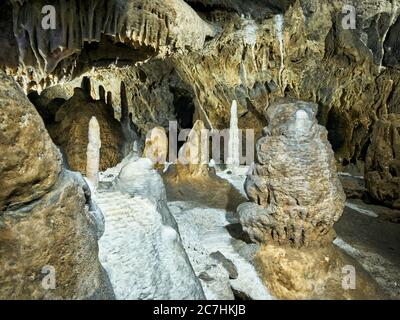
{"x": 141, "y": 237}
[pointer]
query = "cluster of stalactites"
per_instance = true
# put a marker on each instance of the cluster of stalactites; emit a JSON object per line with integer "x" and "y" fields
{"x": 166, "y": 27}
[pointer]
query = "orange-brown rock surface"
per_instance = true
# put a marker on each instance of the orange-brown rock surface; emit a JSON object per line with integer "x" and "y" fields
{"x": 49, "y": 226}
{"x": 294, "y": 190}
{"x": 70, "y": 131}
{"x": 29, "y": 162}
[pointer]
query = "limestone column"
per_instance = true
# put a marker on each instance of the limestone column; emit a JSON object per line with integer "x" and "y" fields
{"x": 233, "y": 159}
{"x": 93, "y": 152}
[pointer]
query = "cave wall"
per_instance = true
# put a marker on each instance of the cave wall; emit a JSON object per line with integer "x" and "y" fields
{"x": 49, "y": 226}
{"x": 206, "y": 53}
{"x": 336, "y": 68}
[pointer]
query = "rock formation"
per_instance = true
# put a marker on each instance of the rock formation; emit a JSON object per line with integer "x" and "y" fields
{"x": 142, "y": 64}
{"x": 233, "y": 159}
{"x": 49, "y": 226}
{"x": 152, "y": 29}
{"x": 93, "y": 152}
{"x": 296, "y": 198}
{"x": 336, "y": 68}
{"x": 295, "y": 192}
{"x": 313, "y": 274}
{"x": 142, "y": 248}
{"x": 156, "y": 146}
{"x": 129, "y": 129}
{"x": 383, "y": 161}
{"x": 30, "y": 164}
{"x": 352, "y": 74}
{"x": 194, "y": 153}
{"x": 70, "y": 131}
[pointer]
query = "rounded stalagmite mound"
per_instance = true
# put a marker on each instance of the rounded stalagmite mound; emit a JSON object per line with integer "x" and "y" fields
{"x": 294, "y": 190}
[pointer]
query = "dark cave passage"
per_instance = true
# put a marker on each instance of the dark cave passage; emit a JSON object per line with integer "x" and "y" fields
{"x": 184, "y": 107}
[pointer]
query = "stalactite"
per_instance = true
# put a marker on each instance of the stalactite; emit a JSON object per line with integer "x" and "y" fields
{"x": 279, "y": 25}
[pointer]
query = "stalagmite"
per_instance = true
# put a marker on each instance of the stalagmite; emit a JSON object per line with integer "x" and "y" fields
{"x": 193, "y": 156}
{"x": 93, "y": 152}
{"x": 194, "y": 151}
{"x": 233, "y": 160}
{"x": 295, "y": 192}
{"x": 296, "y": 198}
{"x": 156, "y": 146}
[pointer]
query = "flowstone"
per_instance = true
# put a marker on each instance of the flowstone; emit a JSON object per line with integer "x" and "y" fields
{"x": 295, "y": 193}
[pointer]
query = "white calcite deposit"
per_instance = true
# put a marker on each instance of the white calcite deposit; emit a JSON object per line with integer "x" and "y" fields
{"x": 141, "y": 248}
{"x": 156, "y": 145}
{"x": 204, "y": 232}
{"x": 93, "y": 152}
{"x": 233, "y": 160}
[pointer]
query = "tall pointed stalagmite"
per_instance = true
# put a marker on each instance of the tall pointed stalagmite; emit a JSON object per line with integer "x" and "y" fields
{"x": 93, "y": 152}
{"x": 233, "y": 159}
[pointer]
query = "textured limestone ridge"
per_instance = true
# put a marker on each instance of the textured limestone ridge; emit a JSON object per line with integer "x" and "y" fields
{"x": 29, "y": 162}
{"x": 383, "y": 161}
{"x": 156, "y": 146}
{"x": 93, "y": 152}
{"x": 49, "y": 226}
{"x": 295, "y": 193}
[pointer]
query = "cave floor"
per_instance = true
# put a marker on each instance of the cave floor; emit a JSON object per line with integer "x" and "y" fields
{"x": 368, "y": 233}
{"x": 204, "y": 208}
{"x": 372, "y": 241}
{"x": 205, "y": 212}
